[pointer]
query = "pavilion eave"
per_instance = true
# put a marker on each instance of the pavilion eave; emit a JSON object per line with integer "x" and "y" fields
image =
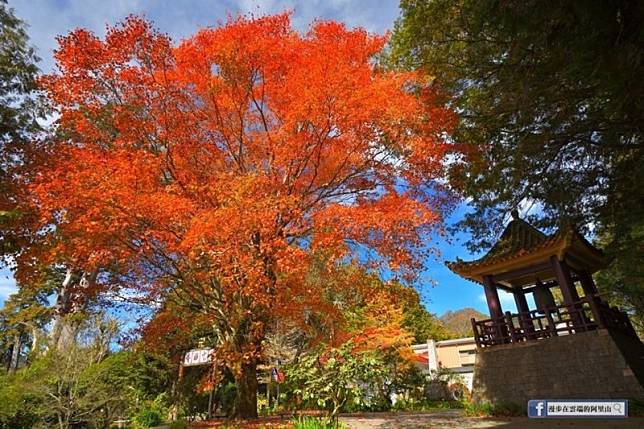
{"x": 526, "y": 266}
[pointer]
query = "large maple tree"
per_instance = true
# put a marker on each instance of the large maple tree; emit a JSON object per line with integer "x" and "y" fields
{"x": 214, "y": 171}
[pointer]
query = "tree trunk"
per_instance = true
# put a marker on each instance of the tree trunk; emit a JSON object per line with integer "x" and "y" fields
{"x": 245, "y": 406}
{"x": 34, "y": 341}
{"x": 15, "y": 353}
{"x": 63, "y": 334}
{"x": 60, "y": 309}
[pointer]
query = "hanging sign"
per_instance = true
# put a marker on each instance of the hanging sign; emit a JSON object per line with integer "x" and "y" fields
{"x": 198, "y": 357}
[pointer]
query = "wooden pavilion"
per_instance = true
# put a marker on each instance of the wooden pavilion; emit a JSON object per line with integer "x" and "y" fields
{"x": 524, "y": 260}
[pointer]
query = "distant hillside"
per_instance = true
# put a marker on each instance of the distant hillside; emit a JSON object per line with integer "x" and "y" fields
{"x": 458, "y": 323}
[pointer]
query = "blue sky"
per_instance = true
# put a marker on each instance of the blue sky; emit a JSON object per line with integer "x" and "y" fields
{"x": 179, "y": 19}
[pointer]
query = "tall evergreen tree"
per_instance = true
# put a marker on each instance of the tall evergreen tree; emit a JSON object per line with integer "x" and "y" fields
{"x": 19, "y": 111}
{"x": 550, "y": 100}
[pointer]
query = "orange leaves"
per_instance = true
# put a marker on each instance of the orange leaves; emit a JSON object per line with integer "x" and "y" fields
{"x": 218, "y": 167}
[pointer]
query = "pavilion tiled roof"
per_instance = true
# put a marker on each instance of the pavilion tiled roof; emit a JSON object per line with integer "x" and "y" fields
{"x": 519, "y": 239}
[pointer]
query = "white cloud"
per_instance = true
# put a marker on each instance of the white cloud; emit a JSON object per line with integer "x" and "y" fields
{"x": 48, "y": 19}
{"x": 375, "y": 16}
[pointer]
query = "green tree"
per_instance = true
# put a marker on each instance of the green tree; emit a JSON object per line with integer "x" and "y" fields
{"x": 623, "y": 280}
{"x": 22, "y": 324}
{"x": 19, "y": 111}
{"x": 549, "y": 95}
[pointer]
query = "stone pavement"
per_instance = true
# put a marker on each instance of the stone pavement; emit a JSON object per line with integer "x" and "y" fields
{"x": 456, "y": 419}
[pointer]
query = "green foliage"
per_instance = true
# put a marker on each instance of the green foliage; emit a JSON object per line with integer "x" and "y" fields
{"x": 423, "y": 325}
{"x": 419, "y": 322}
{"x": 147, "y": 417}
{"x": 192, "y": 402}
{"x": 19, "y": 109}
{"x": 341, "y": 378}
{"x": 315, "y": 423}
{"x": 76, "y": 390}
{"x": 19, "y": 406}
{"x": 331, "y": 379}
{"x": 549, "y": 95}
{"x": 150, "y": 412}
{"x": 226, "y": 395}
{"x": 17, "y": 73}
{"x": 479, "y": 409}
{"x": 22, "y": 322}
{"x": 622, "y": 283}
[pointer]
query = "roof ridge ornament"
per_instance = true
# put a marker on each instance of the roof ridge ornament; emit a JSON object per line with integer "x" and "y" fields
{"x": 515, "y": 214}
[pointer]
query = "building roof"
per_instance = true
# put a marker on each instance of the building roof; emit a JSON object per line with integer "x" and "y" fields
{"x": 522, "y": 245}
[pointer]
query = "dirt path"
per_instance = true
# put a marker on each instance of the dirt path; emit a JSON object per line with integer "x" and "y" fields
{"x": 456, "y": 419}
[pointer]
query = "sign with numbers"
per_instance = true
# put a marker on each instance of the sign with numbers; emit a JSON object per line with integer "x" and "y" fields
{"x": 198, "y": 357}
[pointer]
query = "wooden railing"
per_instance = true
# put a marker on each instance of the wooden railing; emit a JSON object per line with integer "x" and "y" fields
{"x": 588, "y": 314}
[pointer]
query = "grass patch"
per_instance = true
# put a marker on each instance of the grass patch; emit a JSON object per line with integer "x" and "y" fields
{"x": 316, "y": 423}
{"x": 485, "y": 409}
{"x": 426, "y": 405}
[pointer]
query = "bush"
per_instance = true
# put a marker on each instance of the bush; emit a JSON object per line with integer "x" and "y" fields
{"x": 147, "y": 417}
{"x": 151, "y": 412}
{"x": 18, "y": 406}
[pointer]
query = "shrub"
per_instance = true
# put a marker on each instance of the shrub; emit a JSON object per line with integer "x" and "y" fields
{"x": 18, "y": 405}
{"x": 147, "y": 417}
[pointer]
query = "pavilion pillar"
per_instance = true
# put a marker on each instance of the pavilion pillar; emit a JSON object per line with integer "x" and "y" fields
{"x": 568, "y": 290}
{"x": 524, "y": 312}
{"x": 492, "y": 298}
{"x": 519, "y": 299}
{"x": 587, "y": 283}
{"x": 496, "y": 313}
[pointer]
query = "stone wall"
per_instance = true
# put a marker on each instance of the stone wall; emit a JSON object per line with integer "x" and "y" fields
{"x": 585, "y": 365}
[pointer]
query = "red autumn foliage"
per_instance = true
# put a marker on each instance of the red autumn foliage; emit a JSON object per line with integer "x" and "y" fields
{"x": 213, "y": 170}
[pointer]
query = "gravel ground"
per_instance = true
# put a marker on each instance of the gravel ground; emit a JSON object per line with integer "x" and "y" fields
{"x": 456, "y": 419}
